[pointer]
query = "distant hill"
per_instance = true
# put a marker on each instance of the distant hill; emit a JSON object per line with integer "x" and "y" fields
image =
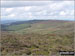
{"x": 42, "y": 26}
{"x": 7, "y": 21}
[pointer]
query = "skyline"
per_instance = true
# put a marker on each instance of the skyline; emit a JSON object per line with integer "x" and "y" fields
{"x": 37, "y": 10}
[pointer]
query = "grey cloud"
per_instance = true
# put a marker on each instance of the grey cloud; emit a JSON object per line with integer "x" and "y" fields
{"x": 31, "y": 0}
{"x": 23, "y": 3}
{"x": 36, "y": 7}
{"x": 37, "y": 0}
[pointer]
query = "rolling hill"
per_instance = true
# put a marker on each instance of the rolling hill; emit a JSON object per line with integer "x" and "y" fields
{"x": 39, "y": 25}
{"x": 37, "y": 37}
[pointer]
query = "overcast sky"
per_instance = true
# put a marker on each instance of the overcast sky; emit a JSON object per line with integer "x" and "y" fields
{"x": 29, "y": 10}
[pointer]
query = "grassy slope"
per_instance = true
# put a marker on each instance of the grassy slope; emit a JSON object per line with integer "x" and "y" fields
{"x": 40, "y": 38}
{"x": 43, "y": 27}
{"x": 17, "y": 27}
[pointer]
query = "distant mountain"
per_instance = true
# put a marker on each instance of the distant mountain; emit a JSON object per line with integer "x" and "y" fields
{"x": 7, "y": 21}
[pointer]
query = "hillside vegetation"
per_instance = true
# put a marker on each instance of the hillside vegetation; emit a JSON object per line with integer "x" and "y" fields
{"x": 37, "y": 37}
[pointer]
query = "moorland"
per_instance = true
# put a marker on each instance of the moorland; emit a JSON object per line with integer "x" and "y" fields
{"x": 36, "y": 37}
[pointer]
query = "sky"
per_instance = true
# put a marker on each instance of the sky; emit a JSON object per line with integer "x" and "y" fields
{"x": 37, "y": 10}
